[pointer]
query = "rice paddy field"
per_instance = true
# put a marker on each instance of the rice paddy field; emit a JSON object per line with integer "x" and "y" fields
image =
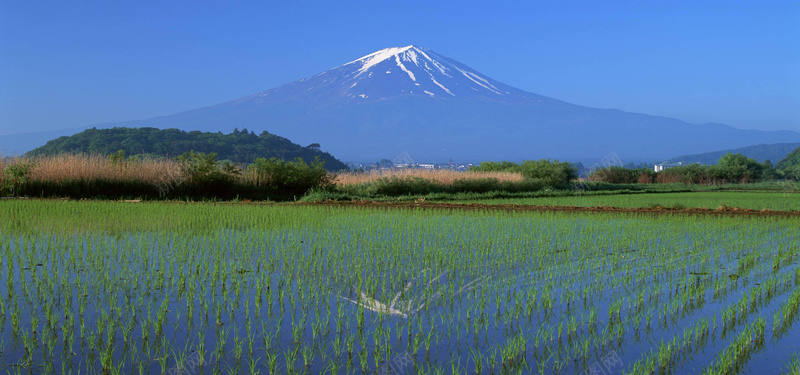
{"x": 191, "y": 288}
{"x": 788, "y": 200}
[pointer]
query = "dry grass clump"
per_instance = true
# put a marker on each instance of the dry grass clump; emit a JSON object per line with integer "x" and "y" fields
{"x": 66, "y": 167}
{"x": 443, "y": 176}
{"x": 197, "y": 176}
{"x": 68, "y": 175}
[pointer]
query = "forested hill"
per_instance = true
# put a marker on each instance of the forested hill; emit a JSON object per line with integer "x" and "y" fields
{"x": 238, "y": 146}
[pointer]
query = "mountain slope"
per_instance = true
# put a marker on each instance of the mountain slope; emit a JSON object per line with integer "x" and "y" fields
{"x": 238, "y": 147}
{"x": 416, "y": 100}
{"x": 773, "y": 153}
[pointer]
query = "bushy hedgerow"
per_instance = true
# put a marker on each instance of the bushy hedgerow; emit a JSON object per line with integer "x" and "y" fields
{"x": 288, "y": 178}
{"x": 620, "y": 175}
{"x": 551, "y": 173}
{"x": 398, "y": 186}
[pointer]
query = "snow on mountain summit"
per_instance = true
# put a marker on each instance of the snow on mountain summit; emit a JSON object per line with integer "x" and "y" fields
{"x": 402, "y": 71}
{"x": 423, "y": 67}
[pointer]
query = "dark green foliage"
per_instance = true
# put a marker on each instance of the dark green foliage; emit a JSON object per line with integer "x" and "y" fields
{"x": 484, "y": 185}
{"x": 551, "y": 173}
{"x": 791, "y": 163}
{"x": 203, "y": 168}
{"x": 730, "y": 167}
{"x": 102, "y": 188}
{"x": 15, "y": 178}
{"x": 289, "y": 179}
{"x": 206, "y": 176}
{"x": 740, "y": 166}
{"x": 238, "y": 147}
{"x": 621, "y": 175}
{"x": 397, "y": 186}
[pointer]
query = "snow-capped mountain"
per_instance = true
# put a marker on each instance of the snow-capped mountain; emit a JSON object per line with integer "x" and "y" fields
{"x": 412, "y": 99}
{"x": 400, "y": 71}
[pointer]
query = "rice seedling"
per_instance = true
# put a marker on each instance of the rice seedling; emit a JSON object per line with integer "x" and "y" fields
{"x": 313, "y": 289}
{"x": 793, "y": 367}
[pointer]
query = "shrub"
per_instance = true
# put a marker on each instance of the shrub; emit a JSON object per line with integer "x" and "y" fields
{"x": 289, "y": 178}
{"x": 15, "y": 177}
{"x": 615, "y": 175}
{"x": 202, "y": 168}
{"x": 205, "y": 176}
{"x": 621, "y": 175}
{"x": 551, "y": 173}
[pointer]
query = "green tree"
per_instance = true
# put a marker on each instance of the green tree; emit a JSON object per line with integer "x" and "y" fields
{"x": 551, "y": 173}
{"x": 790, "y": 161}
{"x": 290, "y": 178}
{"x": 738, "y": 166}
{"x": 15, "y": 177}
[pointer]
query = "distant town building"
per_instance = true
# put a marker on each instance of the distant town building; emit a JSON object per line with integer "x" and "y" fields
{"x": 663, "y": 166}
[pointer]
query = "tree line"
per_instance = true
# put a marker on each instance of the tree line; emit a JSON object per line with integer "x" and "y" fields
{"x": 729, "y": 168}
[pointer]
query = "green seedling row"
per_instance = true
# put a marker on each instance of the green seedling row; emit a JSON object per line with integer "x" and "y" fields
{"x": 115, "y": 287}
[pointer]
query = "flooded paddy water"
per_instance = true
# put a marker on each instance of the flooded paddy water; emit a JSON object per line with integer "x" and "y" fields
{"x": 113, "y": 287}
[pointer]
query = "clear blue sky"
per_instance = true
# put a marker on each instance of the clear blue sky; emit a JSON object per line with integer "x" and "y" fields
{"x": 68, "y": 64}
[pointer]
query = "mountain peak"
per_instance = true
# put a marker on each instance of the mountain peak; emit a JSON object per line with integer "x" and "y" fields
{"x": 411, "y": 71}
{"x": 376, "y": 58}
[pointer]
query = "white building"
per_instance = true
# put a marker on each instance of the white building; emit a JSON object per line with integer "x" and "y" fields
{"x": 661, "y": 167}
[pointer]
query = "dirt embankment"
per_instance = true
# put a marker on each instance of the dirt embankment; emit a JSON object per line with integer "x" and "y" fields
{"x": 727, "y": 211}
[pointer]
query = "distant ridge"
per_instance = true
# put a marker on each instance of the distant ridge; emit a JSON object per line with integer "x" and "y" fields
{"x": 774, "y": 153}
{"x": 238, "y": 146}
